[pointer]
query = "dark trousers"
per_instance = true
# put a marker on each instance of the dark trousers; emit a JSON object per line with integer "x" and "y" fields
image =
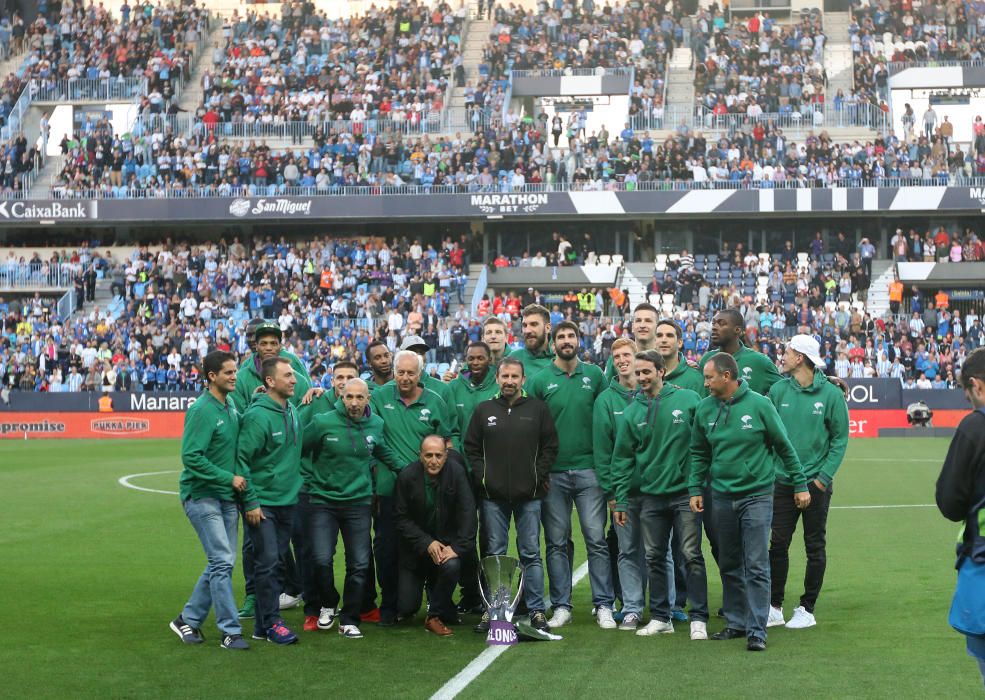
{"x": 271, "y": 540}
{"x": 248, "y": 560}
{"x": 785, "y": 516}
{"x": 613, "y": 542}
{"x": 322, "y": 524}
{"x": 439, "y": 580}
{"x": 742, "y": 526}
{"x": 297, "y": 557}
{"x": 709, "y": 522}
{"x": 385, "y": 556}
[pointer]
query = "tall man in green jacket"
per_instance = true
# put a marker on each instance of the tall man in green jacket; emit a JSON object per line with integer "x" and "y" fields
{"x": 739, "y": 442}
{"x": 644, "y": 325}
{"x": 755, "y": 369}
{"x": 649, "y": 476}
{"x": 816, "y": 417}
{"x": 208, "y": 488}
{"x": 269, "y": 458}
{"x": 668, "y": 343}
{"x": 342, "y": 446}
{"x": 410, "y": 412}
{"x": 535, "y": 355}
{"x": 569, "y": 387}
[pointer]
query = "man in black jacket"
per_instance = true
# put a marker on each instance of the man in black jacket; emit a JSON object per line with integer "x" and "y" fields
{"x": 961, "y": 485}
{"x": 511, "y": 444}
{"x": 436, "y": 522}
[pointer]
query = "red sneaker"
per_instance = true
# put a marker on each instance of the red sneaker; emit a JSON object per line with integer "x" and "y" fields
{"x": 310, "y": 623}
{"x": 371, "y": 616}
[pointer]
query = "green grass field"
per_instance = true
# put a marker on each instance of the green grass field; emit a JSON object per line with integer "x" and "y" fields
{"x": 93, "y": 572}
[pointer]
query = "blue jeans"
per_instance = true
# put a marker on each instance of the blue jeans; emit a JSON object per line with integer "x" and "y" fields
{"x": 496, "y": 521}
{"x": 271, "y": 540}
{"x": 322, "y": 524}
{"x": 581, "y": 488}
{"x": 630, "y": 560}
{"x": 216, "y": 524}
{"x": 660, "y": 516}
{"x": 742, "y": 526}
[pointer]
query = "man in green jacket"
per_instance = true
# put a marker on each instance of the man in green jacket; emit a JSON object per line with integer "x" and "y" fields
{"x": 476, "y": 385}
{"x": 678, "y": 372}
{"x": 415, "y": 343}
{"x": 649, "y": 476}
{"x": 380, "y": 361}
{"x": 269, "y": 458}
{"x": 645, "y": 317}
{"x": 494, "y": 334}
{"x": 342, "y": 446}
{"x": 268, "y": 338}
{"x": 410, "y": 412}
{"x": 739, "y": 442}
{"x": 536, "y": 354}
{"x": 755, "y": 369}
{"x": 569, "y": 387}
{"x": 208, "y": 487}
{"x": 816, "y": 417}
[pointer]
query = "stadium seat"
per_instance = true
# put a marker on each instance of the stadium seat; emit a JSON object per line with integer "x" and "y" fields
{"x": 605, "y": 259}
{"x": 617, "y": 260}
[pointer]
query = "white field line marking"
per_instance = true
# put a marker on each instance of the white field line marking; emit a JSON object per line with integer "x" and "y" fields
{"x": 480, "y": 663}
{"x": 907, "y": 505}
{"x": 891, "y": 459}
{"x": 125, "y": 481}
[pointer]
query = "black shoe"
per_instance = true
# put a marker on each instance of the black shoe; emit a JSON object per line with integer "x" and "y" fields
{"x": 538, "y": 621}
{"x": 728, "y": 633}
{"x": 388, "y": 618}
{"x": 468, "y": 606}
{"x": 756, "y": 644}
{"x": 720, "y": 613}
{"x": 483, "y": 625}
{"x": 186, "y": 633}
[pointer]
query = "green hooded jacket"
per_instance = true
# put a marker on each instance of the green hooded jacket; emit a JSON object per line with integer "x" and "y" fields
{"x": 319, "y": 405}
{"x": 269, "y": 454}
{"x": 248, "y": 379}
{"x": 755, "y": 369}
{"x": 608, "y": 411}
{"x": 685, "y": 376}
{"x": 738, "y": 442}
{"x": 405, "y": 426}
{"x": 652, "y": 453}
{"x": 533, "y": 364}
{"x": 816, "y": 418}
{"x": 466, "y": 395}
{"x": 341, "y": 452}
{"x": 208, "y": 449}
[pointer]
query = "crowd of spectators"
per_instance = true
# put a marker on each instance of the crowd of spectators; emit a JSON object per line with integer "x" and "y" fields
{"x": 928, "y": 31}
{"x": 758, "y": 65}
{"x": 392, "y": 63}
{"x": 76, "y": 41}
{"x": 937, "y": 246}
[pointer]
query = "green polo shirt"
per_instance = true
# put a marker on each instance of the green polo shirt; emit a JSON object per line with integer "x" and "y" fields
{"x": 571, "y": 399}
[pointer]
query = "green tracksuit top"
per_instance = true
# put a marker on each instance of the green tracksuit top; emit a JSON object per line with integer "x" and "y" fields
{"x": 755, "y": 369}
{"x": 440, "y": 388}
{"x": 816, "y": 419}
{"x": 341, "y": 452}
{"x": 269, "y": 454}
{"x": 741, "y": 443}
{"x": 652, "y": 452}
{"x": 685, "y": 376}
{"x": 208, "y": 449}
{"x": 405, "y": 426}
{"x": 248, "y": 379}
{"x": 466, "y": 395}
{"x": 609, "y": 407}
{"x": 572, "y": 401}
{"x": 319, "y": 405}
{"x": 533, "y": 364}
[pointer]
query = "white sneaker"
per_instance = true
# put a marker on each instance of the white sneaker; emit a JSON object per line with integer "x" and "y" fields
{"x": 560, "y": 618}
{"x": 289, "y": 601}
{"x": 605, "y": 618}
{"x": 326, "y": 618}
{"x": 699, "y": 630}
{"x": 776, "y": 617}
{"x": 655, "y": 627}
{"x": 801, "y": 619}
{"x": 630, "y": 622}
{"x": 350, "y": 631}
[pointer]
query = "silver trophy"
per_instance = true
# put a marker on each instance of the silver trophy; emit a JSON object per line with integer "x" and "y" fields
{"x": 497, "y": 577}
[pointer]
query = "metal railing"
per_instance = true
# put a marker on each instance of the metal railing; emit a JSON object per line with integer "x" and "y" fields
{"x": 17, "y": 112}
{"x": 809, "y": 117}
{"x": 66, "y": 304}
{"x": 526, "y": 194}
{"x": 896, "y": 66}
{"x": 481, "y": 284}
{"x": 80, "y": 90}
{"x": 569, "y": 72}
{"x": 23, "y": 276}
{"x": 430, "y": 122}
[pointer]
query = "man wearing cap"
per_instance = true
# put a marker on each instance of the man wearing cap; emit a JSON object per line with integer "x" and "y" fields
{"x": 815, "y": 415}
{"x": 267, "y": 341}
{"x": 415, "y": 343}
{"x": 251, "y": 343}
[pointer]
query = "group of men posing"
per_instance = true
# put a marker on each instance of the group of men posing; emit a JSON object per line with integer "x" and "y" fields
{"x": 410, "y": 469}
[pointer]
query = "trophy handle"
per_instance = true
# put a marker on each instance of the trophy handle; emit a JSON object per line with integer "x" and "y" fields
{"x": 516, "y": 598}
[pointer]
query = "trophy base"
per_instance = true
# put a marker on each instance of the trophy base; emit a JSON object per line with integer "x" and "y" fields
{"x": 527, "y": 633}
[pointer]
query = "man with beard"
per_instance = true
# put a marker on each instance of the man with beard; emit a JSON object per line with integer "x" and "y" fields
{"x": 511, "y": 443}
{"x": 410, "y": 412}
{"x": 644, "y": 324}
{"x": 535, "y": 355}
{"x": 380, "y": 362}
{"x": 569, "y": 387}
